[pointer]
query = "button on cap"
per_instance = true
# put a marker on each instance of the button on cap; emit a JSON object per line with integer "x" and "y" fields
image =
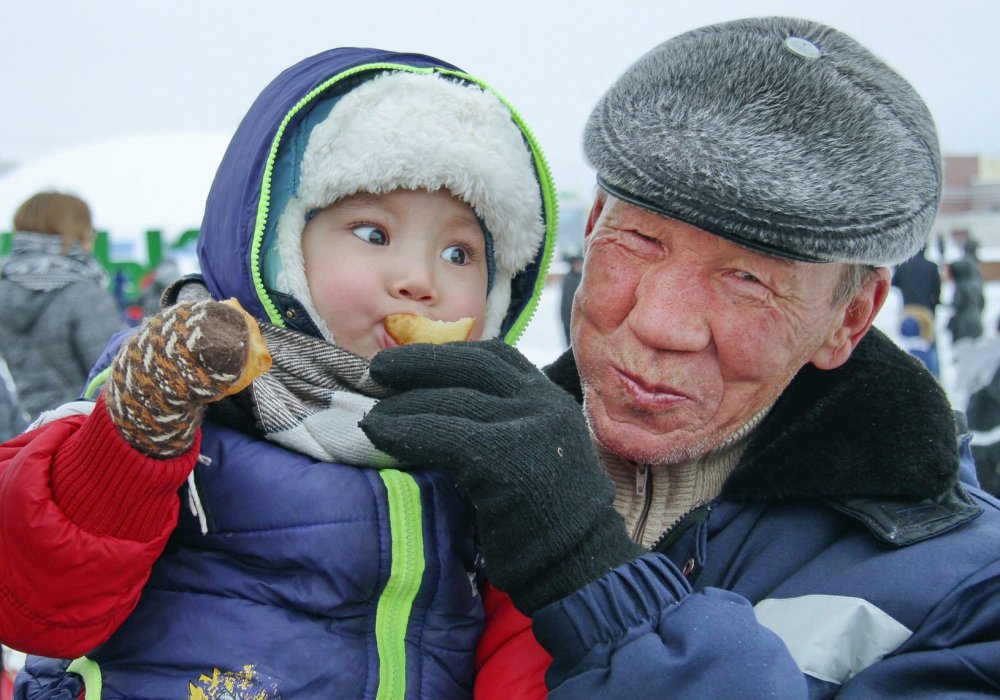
{"x": 803, "y": 48}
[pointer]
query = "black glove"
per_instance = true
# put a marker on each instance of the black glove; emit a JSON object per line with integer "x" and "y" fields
{"x": 520, "y": 446}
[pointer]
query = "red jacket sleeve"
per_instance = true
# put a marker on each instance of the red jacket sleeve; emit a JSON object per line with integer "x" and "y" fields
{"x": 83, "y": 516}
{"x": 510, "y": 663}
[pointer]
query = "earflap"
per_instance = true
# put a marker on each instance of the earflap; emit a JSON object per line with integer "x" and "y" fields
{"x": 290, "y": 277}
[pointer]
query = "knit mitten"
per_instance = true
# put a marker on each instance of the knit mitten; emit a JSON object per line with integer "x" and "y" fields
{"x": 520, "y": 446}
{"x": 181, "y": 360}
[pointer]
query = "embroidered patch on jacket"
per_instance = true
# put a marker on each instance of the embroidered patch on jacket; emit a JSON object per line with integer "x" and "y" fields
{"x": 233, "y": 685}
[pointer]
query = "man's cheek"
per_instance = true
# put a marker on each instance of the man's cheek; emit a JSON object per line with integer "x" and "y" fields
{"x": 607, "y": 292}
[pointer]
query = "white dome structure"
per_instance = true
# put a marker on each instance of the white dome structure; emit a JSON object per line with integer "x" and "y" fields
{"x": 132, "y": 183}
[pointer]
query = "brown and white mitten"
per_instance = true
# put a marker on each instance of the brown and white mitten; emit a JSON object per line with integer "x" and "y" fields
{"x": 184, "y": 358}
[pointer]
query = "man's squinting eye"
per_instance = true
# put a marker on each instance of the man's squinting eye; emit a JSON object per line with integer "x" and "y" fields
{"x": 747, "y": 277}
{"x": 640, "y": 242}
{"x": 644, "y": 237}
{"x": 456, "y": 254}
{"x": 370, "y": 234}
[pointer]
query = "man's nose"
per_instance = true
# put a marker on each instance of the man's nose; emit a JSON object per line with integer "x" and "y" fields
{"x": 672, "y": 309}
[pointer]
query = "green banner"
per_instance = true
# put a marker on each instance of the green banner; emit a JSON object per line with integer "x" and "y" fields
{"x": 133, "y": 272}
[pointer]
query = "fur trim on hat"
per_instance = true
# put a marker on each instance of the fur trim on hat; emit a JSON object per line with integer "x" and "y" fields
{"x": 781, "y": 134}
{"x": 403, "y": 130}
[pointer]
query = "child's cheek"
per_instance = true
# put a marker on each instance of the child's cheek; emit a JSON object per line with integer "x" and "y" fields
{"x": 342, "y": 298}
{"x": 476, "y": 310}
{"x": 477, "y": 330}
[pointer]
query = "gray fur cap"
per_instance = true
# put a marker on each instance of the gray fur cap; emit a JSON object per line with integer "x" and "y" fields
{"x": 780, "y": 134}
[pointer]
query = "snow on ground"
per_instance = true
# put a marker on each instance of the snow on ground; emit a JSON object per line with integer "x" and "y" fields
{"x": 543, "y": 342}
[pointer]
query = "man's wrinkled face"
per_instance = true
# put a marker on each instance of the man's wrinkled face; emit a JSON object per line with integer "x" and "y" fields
{"x": 681, "y": 336}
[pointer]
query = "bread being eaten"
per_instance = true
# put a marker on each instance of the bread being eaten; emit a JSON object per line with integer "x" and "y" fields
{"x": 411, "y": 328}
{"x": 258, "y": 356}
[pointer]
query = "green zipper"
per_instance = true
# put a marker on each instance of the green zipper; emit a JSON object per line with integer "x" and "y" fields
{"x": 91, "y": 674}
{"x": 96, "y": 383}
{"x": 392, "y": 615}
{"x": 550, "y": 203}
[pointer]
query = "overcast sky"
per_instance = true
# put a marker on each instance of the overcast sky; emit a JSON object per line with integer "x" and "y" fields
{"x": 75, "y": 71}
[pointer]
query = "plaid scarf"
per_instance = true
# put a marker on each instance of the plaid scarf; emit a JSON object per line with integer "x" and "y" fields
{"x": 36, "y": 262}
{"x": 313, "y": 396}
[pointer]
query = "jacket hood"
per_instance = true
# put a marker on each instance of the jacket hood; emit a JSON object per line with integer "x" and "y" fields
{"x": 247, "y": 197}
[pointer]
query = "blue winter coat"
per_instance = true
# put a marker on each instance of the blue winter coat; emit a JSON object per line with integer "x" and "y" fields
{"x": 844, "y": 558}
{"x": 313, "y": 580}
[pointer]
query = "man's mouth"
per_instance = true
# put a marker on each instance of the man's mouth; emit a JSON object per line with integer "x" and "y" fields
{"x": 648, "y": 395}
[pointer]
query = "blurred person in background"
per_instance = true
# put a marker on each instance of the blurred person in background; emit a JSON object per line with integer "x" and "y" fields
{"x": 153, "y": 285}
{"x": 981, "y": 375}
{"x": 917, "y": 336}
{"x": 919, "y": 282}
{"x": 968, "y": 301}
{"x": 58, "y": 313}
{"x": 13, "y": 418}
{"x": 570, "y": 281}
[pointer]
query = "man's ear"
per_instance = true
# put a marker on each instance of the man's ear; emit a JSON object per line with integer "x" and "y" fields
{"x": 855, "y": 320}
{"x": 600, "y": 198}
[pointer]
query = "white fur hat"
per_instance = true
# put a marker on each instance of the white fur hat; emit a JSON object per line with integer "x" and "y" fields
{"x": 403, "y": 130}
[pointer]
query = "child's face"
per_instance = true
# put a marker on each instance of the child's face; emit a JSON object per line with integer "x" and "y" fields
{"x": 407, "y": 251}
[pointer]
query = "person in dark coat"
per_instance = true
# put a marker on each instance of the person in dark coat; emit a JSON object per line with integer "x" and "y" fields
{"x": 979, "y": 371}
{"x": 919, "y": 281}
{"x": 570, "y": 281}
{"x": 983, "y": 414}
{"x": 968, "y": 301}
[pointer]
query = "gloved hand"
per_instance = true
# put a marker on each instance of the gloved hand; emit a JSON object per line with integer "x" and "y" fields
{"x": 182, "y": 359}
{"x": 520, "y": 446}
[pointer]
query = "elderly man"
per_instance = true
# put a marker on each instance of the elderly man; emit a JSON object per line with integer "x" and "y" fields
{"x": 766, "y": 498}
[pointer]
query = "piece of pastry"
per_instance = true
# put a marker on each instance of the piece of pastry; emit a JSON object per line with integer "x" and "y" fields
{"x": 258, "y": 357}
{"x": 411, "y": 328}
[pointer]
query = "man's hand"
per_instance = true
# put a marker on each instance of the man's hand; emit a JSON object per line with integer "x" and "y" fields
{"x": 520, "y": 446}
{"x": 182, "y": 359}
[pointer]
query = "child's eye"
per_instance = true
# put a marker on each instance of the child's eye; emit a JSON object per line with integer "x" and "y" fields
{"x": 371, "y": 234}
{"x": 456, "y": 254}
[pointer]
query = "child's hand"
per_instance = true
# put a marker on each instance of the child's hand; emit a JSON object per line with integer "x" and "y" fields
{"x": 182, "y": 359}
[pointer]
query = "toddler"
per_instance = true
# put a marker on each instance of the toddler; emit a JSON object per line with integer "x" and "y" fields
{"x": 189, "y": 539}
